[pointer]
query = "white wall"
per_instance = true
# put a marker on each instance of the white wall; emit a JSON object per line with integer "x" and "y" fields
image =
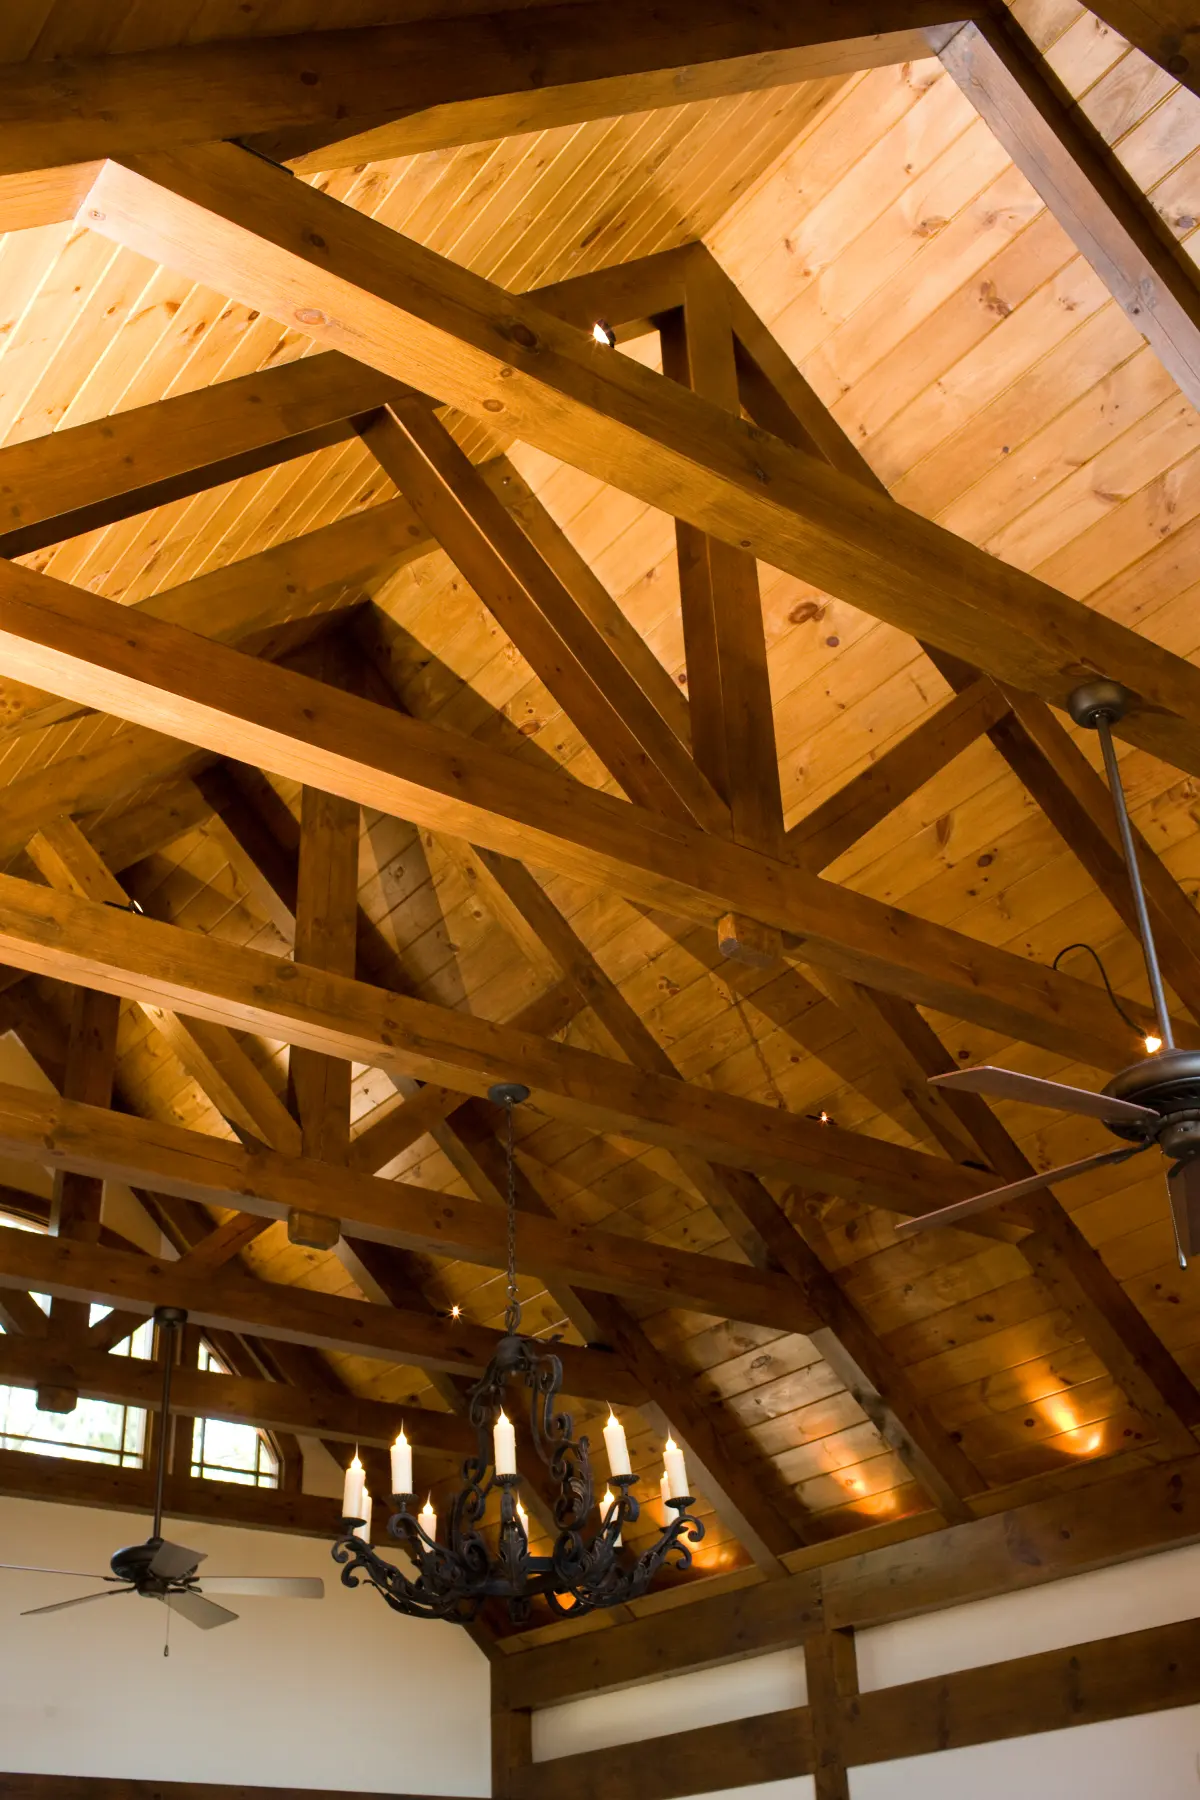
{"x": 338, "y": 1693}
{"x": 1157, "y": 1756}
{"x": 761, "y": 1684}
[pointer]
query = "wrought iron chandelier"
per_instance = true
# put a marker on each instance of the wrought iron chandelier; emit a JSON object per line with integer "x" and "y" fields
{"x": 453, "y": 1569}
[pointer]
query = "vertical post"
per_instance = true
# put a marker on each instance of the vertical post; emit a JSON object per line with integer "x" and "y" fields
{"x": 729, "y": 694}
{"x": 326, "y": 922}
{"x": 831, "y": 1666}
{"x": 76, "y": 1203}
{"x": 512, "y": 1744}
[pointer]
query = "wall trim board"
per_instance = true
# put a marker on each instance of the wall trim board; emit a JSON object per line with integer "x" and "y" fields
{"x": 1084, "y": 1684}
{"x": 1119, "y": 1520}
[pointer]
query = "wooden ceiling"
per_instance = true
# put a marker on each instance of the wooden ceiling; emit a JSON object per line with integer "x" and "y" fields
{"x": 976, "y": 360}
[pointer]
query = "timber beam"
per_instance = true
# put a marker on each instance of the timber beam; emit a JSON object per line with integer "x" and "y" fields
{"x": 270, "y": 1310}
{"x": 436, "y": 82}
{"x": 242, "y": 1400}
{"x": 841, "y": 1729}
{"x": 1084, "y": 185}
{"x": 159, "y": 675}
{"x": 24, "y": 1476}
{"x": 1109, "y": 1521}
{"x": 77, "y": 940}
{"x": 68, "y": 482}
{"x": 219, "y": 215}
{"x": 191, "y": 1165}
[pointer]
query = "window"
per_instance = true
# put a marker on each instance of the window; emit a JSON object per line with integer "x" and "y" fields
{"x": 100, "y": 1431}
{"x": 226, "y": 1452}
{"x": 104, "y": 1431}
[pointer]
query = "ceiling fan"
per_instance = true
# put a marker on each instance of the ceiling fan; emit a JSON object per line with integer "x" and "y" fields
{"x": 1153, "y": 1102}
{"x": 159, "y": 1570}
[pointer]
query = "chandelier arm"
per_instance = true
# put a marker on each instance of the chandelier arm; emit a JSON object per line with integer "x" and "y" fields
{"x": 586, "y": 1568}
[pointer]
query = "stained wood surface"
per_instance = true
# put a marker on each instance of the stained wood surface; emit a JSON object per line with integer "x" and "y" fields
{"x": 978, "y": 365}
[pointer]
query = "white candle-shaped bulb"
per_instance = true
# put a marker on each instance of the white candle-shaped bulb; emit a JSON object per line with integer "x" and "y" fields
{"x": 402, "y": 1482}
{"x": 504, "y": 1446}
{"x": 523, "y": 1516}
{"x": 675, "y": 1470}
{"x": 363, "y": 1531}
{"x": 606, "y": 1506}
{"x": 664, "y": 1494}
{"x": 616, "y": 1447}
{"x": 353, "y": 1489}
{"x": 428, "y": 1519}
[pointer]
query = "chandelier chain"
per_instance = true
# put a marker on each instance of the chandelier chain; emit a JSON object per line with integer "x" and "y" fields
{"x": 512, "y": 1312}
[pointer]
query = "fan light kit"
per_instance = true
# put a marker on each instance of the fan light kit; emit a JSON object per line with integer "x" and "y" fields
{"x": 1155, "y": 1101}
{"x": 453, "y": 1570}
{"x": 158, "y": 1570}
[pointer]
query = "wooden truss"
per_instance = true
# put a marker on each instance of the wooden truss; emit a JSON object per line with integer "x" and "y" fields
{"x": 731, "y": 442}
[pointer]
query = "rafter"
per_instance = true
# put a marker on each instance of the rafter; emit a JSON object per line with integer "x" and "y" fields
{"x": 823, "y": 834}
{"x": 1084, "y": 185}
{"x": 221, "y": 1244}
{"x": 215, "y": 212}
{"x": 382, "y": 1271}
{"x": 44, "y": 196}
{"x": 561, "y": 644}
{"x": 90, "y": 475}
{"x": 83, "y": 477}
{"x": 482, "y": 77}
{"x": 27, "y": 1476}
{"x": 1024, "y": 1546}
{"x": 157, "y": 674}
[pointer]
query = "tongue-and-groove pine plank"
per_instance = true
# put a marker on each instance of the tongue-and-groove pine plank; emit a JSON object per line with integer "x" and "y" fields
{"x": 1007, "y": 436}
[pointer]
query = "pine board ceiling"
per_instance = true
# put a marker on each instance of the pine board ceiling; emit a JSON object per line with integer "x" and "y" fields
{"x": 945, "y": 318}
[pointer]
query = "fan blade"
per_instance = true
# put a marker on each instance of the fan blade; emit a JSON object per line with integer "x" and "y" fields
{"x": 1006, "y": 1084}
{"x": 963, "y": 1209}
{"x": 61, "y": 1605}
{"x": 197, "y": 1610}
{"x": 271, "y": 1587}
{"x": 1183, "y": 1186}
{"x": 172, "y": 1562}
{"x": 74, "y": 1574}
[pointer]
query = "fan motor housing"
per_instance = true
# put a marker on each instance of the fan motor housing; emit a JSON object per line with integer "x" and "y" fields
{"x": 1169, "y": 1084}
{"x": 133, "y": 1564}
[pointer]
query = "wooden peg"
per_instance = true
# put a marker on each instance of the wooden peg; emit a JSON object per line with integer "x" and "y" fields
{"x": 314, "y": 1231}
{"x": 749, "y": 941}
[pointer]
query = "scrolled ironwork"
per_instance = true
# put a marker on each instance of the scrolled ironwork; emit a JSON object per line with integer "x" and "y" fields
{"x": 452, "y": 1576}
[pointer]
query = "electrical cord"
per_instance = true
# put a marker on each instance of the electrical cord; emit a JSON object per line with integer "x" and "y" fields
{"x": 1108, "y": 987}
